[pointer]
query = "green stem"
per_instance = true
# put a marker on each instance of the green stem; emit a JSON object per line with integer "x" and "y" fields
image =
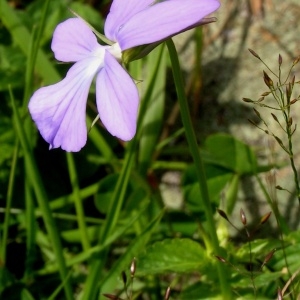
{"x": 41, "y": 196}
{"x": 191, "y": 138}
{"x": 30, "y": 231}
{"x": 291, "y": 154}
{"x": 8, "y": 204}
{"x": 78, "y": 202}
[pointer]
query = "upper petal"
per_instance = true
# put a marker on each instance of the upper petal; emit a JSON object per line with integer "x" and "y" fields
{"x": 162, "y": 20}
{"x": 59, "y": 110}
{"x": 73, "y": 40}
{"x": 117, "y": 99}
{"x": 120, "y": 12}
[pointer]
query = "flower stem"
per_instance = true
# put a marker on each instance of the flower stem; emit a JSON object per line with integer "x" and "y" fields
{"x": 41, "y": 197}
{"x": 192, "y": 142}
{"x": 78, "y": 202}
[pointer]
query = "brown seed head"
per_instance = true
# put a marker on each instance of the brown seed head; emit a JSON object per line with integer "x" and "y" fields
{"x": 274, "y": 117}
{"x": 261, "y": 99}
{"x": 248, "y": 100}
{"x": 268, "y": 81}
{"x": 167, "y": 293}
{"x": 222, "y": 214}
{"x": 265, "y": 218}
{"x": 133, "y": 267}
{"x": 279, "y": 294}
{"x": 221, "y": 259}
{"x": 269, "y": 256}
{"x": 124, "y": 277}
{"x": 243, "y": 217}
{"x": 257, "y": 112}
{"x": 296, "y": 60}
{"x": 280, "y": 60}
{"x": 112, "y": 297}
{"x": 254, "y": 53}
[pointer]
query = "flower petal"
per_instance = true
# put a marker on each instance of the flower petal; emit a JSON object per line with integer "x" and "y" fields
{"x": 162, "y": 20}
{"x": 120, "y": 12}
{"x": 73, "y": 40}
{"x": 117, "y": 99}
{"x": 59, "y": 110}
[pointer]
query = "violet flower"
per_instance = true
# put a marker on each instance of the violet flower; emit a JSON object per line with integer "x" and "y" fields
{"x": 59, "y": 110}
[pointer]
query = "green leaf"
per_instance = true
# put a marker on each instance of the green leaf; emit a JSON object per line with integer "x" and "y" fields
{"x": 201, "y": 291}
{"x": 25, "y": 295}
{"x": 152, "y": 121}
{"x": 135, "y": 247}
{"x": 217, "y": 178}
{"x": 172, "y": 255}
{"x": 224, "y": 150}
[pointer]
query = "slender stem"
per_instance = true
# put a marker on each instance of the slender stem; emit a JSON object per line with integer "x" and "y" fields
{"x": 30, "y": 231}
{"x": 41, "y": 196}
{"x": 9, "y": 203}
{"x": 291, "y": 156}
{"x": 191, "y": 138}
{"x": 78, "y": 202}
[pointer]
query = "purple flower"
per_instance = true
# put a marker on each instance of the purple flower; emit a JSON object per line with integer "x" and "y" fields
{"x": 59, "y": 110}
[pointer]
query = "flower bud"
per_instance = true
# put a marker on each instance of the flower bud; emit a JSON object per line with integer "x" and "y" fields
{"x": 254, "y": 53}
{"x": 296, "y": 60}
{"x": 293, "y": 101}
{"x": 222, "y": 214}
{"x": 167, "y": 294}
{"x": 133, "y": 267}
{"x": 280, "y": 60}
{"x": 265, "y": 218}
{"x": 248, "y": 100}
{"x": 243, "y": 217}
{"x": 268, "y": 81}
{"x": 274, "y": 117}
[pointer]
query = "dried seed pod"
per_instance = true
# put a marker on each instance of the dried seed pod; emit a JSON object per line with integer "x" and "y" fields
{"x": 112, "y": 297}
{"x": 265, "y": 218}
{"x": 278, "y": 187}
{"x": 221, "y": 259}
{"x": 133, "y": 267}
{"x": 296, "y": 60}
{"x": 268, "y": 81}
{"x": 257, "y": 113}
{"x": 252, "y": 122}
{"x": 248, "y": 100}
{"x": 124, "y": 277}
{"x": 268, "y": 256}
{"x": 261, "y": 99}
{"x": 288, "y": 91}
{"x": 279, "y": 141}
{"x": 279, "y": 294}
{"x": 222, "y": 214}
{"x": 290, "y": 122}
{"x": 167, "y": 293}
{"x": 293, "y": 101}
{"x": 254, "y": 53}
{"x": 293, "y": 80}
{"x": 243, "y": 217}
{"x": 280, "y": 60}
{"x": 265, "y": 94}
{"x": 274, "y": 117}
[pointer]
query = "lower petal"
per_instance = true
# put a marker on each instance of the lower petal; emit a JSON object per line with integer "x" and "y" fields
{"x": 117, "y": 99}
{"x": 59, "y": 110}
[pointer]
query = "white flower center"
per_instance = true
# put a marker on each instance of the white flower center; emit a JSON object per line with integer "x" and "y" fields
{"x": 115, "y": 51}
